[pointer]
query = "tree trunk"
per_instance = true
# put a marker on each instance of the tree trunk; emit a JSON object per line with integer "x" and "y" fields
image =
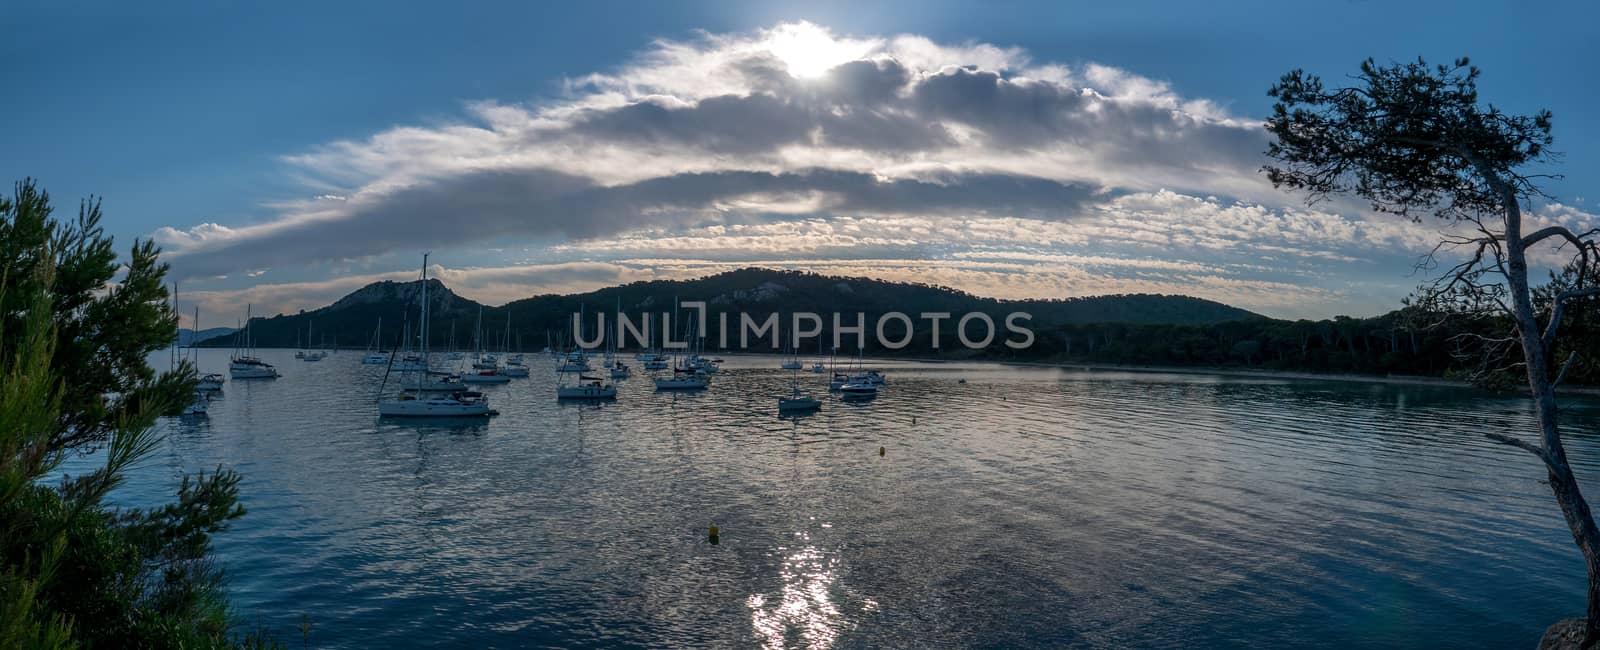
{"x": 1562, "y": 481}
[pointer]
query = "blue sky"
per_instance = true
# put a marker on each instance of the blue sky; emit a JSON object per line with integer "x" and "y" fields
{"x": 479, "y": 132}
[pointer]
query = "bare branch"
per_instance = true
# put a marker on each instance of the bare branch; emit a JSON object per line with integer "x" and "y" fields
{"x": 1520, "y": 444}
{"x": 1558, "y": 306}
{"x": 1572, "y": 359}
{"x": 1557, "y": 231}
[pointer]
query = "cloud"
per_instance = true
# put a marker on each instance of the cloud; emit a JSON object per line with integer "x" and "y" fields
{"x": 774, "y": 125}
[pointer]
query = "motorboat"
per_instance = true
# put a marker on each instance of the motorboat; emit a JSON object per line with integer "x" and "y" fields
{"x": 210, "y": 382}
{"x": 198, "y": 405}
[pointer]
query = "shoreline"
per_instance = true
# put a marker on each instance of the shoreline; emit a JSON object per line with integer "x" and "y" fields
{"x": 1398, "y": 380}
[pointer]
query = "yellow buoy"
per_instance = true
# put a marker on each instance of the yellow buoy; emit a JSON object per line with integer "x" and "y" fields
{"x": 714, "y": 533}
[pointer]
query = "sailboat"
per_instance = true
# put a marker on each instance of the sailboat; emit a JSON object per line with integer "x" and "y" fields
{"x": 245, "y": 364}
{"x": 454, "y": 354}
{"x": 684, "y": 375}
{"x": 862, "y": 385}
{"x": 409, "y": 360}
{"x": 485, "y": 367}
{"x": 797, "y": 400}
{"x": 200, "y": 400}
{"x": 587, "y": 387}
{"x": 791, "y": 353}
{"x": 212, "y": 381}
{"x": 619, "y": 370}
{"x": 514, "y": 366}
{"x": 375, "y": 354}
{"x": 419, "y": 402}
{"x": 312, "y": 355}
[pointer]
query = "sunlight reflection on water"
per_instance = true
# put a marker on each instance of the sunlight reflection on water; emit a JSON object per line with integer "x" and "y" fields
{"x": 805, "y": 609}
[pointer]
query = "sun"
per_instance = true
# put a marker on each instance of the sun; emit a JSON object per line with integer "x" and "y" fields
{"x": 809, "y": 51}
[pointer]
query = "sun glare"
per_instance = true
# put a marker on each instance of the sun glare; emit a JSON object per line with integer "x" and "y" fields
{"x": 809, "y": 51}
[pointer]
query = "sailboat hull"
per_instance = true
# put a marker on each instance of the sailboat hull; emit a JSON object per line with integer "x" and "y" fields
{"x": 586, "y": 392}
{"x": 692, "y": 383}
{"x": 798, "y": 404}
{"x": 433, "y": 408}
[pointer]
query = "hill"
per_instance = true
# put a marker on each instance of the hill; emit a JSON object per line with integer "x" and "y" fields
{"x": 187, "y": 336}
{"x": 351, "y": 321}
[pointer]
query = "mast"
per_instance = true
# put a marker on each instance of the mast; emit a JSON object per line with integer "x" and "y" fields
{"x": 424, "y": 309}
{"x": 422, "y": 376}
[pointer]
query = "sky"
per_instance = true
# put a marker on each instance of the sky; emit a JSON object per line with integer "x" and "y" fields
{"x": 284, "y": 154}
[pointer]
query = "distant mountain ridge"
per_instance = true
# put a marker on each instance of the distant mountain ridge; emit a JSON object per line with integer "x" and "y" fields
{"x": 352, "y": 320}
{"x": 187, "y": 336}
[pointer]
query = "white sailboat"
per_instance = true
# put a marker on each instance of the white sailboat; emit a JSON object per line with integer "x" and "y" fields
{"x": 245, "y": 364}
{"x": 375, "y": 355}
{"x": 514, "y": 366}
{"x": 684, "y": 375}
{"x": 791, "y": 353}
{"x": 861, "y": 385}
{"x": 454, "y": 354}
{"x": 210, "y": 382}
{"x": 619, "y": 370}
{"x": 485, "y": 367}
{"x": 310, "y": 355}
{"x": 797, "y": 400}
{"x": 199, "y": 400}
{"x": 419, "y": 402}
{"x": 587, "y": 387}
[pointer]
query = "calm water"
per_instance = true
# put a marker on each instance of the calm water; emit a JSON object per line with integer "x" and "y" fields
{"x": 1027, "y": 507}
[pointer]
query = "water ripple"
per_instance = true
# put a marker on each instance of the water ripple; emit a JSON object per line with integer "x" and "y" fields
{"x": 1027, "y": 507}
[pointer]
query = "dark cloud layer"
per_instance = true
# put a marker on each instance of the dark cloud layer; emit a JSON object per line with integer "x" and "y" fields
{"x": 541, "y": 202}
